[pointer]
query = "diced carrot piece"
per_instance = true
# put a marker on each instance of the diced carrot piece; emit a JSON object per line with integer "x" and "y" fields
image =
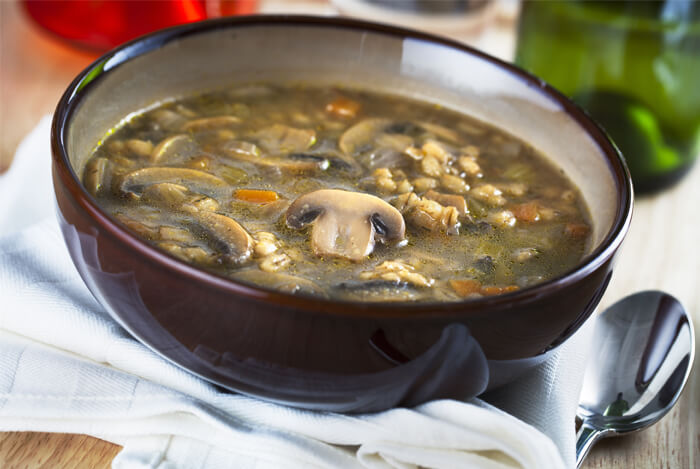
{"x": 256, "y": 196}
{"x": 528, "y": 212}
{"x": 465, "y": 287}
{"x": 343, "y": 107}
{"x": 576, "y": 230}
{"x": 493, "y": 290}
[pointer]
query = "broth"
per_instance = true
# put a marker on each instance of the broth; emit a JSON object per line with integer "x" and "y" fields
{"x": 340, "y": 193}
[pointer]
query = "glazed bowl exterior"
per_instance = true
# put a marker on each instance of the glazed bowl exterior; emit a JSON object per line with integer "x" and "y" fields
{"x": 313, "y": 352}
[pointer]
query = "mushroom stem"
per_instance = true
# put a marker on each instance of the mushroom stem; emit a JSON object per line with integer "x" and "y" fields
{"x": 237, "y": 244}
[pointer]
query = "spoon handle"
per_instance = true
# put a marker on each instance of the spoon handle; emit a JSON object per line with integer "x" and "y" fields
{"x": 585, "y": 438}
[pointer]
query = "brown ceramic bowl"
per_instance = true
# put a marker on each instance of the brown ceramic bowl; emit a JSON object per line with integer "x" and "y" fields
{"x": 313, "y": 352}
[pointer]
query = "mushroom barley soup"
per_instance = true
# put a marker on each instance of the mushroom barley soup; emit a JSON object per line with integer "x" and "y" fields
{"x": 340, "y": 193}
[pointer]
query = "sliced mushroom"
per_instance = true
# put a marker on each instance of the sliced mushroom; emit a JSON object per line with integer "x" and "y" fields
{"x": 279, "y": 138}
{"x": 404, "y": 128}
{"x": 167, "y": 119}
{"x": 334, "y": 160}
{"x": 328, "y": 148}
{"x": 120, "y": 165}
{"x": 301, "y": 162}
{"x": 139, "y": 147}
{"x": 211, "y": 123}
{"x": 396, "y": 142}
{"x": 135, "y": 181}
{"x": 165, "y": 193}
{"x": 185, "y": 111}
{"x": 178, "y": 235}
{"x": 144, "y": 230}
{"x": 345, "y": 224}
{"x": 440, "y": 131}
{"x": 280, "y": 282}
{"x": 273, "y": 211}
{"x": 178, "y": 197}
{"x": 177, "y": 145}
{"x": 381, "y": 142}
{"x": 397, "y": 135}
{"x": 242, "y": 150}
{"x": 230, "y": 238}
{"x": 361, "y": 135}
{"x": 201, "y": 162}
{"x": 94, "y": 175}
{"x": 200, "y": 202}
{"x": 295, "y": 162}
{"x": 449, "y": 200}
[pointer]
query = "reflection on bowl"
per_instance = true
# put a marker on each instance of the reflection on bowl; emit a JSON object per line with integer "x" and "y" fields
{"x": 313, "y": 352}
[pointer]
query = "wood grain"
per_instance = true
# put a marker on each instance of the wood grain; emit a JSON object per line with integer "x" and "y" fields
{"x": 36, "y": 69}
{"x": 20, "y": 450}
{"x": 661, "y": 252}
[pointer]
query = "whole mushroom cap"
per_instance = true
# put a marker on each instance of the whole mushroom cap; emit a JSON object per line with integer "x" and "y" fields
{"x": 346, "y": 224}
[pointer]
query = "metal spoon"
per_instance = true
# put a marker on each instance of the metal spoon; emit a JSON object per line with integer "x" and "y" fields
{"x": 643, "y": 350}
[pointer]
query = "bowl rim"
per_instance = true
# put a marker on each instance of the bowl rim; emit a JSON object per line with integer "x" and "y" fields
{"x": 69, "y": 104}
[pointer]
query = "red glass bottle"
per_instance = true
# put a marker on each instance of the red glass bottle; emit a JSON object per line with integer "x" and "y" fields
{"x": 103, "y": 24}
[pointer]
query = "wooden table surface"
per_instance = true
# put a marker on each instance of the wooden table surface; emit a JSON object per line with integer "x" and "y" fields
{"x": 661, "y": 252}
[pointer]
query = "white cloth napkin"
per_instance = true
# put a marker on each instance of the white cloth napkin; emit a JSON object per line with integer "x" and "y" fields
{"x": 66, "y": 366}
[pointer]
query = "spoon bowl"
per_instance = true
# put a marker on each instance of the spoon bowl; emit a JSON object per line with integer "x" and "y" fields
{"x": 643, "y": 351}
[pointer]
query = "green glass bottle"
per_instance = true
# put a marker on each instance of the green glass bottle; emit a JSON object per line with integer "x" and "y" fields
{"x": 634, "y": 66}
